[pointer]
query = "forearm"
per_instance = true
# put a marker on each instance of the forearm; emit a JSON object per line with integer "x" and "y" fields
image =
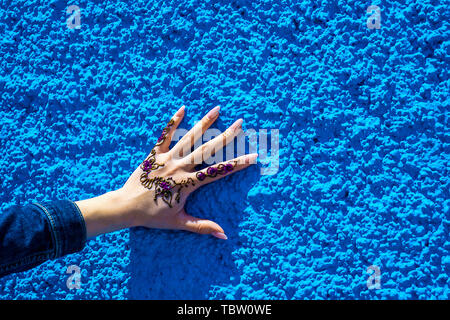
{"x": 34, "y": 233}
{"x": 105, "y": 213}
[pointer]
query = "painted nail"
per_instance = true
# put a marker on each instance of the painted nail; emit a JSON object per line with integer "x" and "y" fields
{"x": 237, "y": 125}
{"x": 179, "y": 112}
{"x": 219, "y": 235}
{"x": 213, "y": 113}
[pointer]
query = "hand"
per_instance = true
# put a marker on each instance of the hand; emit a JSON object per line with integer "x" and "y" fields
{"x": 155, "y": 194}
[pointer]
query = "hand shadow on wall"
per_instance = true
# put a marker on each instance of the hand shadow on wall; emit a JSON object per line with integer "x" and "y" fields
{"x": 182, "y": 265}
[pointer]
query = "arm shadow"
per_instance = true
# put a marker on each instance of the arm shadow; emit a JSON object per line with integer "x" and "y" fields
{"x": 181, "y": 265}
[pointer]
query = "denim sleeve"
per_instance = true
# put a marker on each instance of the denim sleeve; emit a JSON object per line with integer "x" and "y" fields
{"x": 32, "y": 234}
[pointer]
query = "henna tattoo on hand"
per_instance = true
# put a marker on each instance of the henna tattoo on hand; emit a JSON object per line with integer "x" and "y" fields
{"x": 164, "y": 187}
{"x": 165, "y": 132}
{"x": 214, "y": 171}
{"x": 150, "y": 163}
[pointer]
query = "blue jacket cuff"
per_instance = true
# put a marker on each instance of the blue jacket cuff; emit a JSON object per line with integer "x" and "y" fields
{"x": 67, "y": 226}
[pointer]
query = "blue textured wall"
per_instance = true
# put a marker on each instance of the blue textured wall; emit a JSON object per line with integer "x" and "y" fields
{"x": 364, "y": 142}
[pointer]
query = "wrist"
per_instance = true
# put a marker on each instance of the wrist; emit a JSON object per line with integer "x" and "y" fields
{"x": 121, "y": 206}
{"x": 106, "y": 213}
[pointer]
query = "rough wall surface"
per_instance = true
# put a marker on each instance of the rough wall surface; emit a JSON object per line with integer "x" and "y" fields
{"x": 363, "y": 120}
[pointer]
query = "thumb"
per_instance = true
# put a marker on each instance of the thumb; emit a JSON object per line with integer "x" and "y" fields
{"x": 202, "y": 226}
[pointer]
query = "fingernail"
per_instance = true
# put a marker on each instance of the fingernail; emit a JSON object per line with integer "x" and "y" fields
{"x": 213, "y": 113}
{"x": 219, "y": 235}
{"x": 251, "y": 158}
{"x": 237, "y": 125}
{"x": 179, "y": 112}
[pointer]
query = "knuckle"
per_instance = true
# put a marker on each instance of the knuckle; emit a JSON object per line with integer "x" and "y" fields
{"x": 201, "y": 228}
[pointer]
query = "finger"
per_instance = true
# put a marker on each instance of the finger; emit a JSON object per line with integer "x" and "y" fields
{"x": 216, "y": 172}
{"x": 201, "y": 226}
{"x": 211, "y": 147}
{"x": 163, "y": 143}
{"x": 183, "y": 147}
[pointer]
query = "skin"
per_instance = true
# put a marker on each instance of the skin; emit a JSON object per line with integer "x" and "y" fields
{"x": 134, "y": 205}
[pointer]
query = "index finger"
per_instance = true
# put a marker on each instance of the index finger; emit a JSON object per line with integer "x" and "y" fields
{"x": 223, "y": 169}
